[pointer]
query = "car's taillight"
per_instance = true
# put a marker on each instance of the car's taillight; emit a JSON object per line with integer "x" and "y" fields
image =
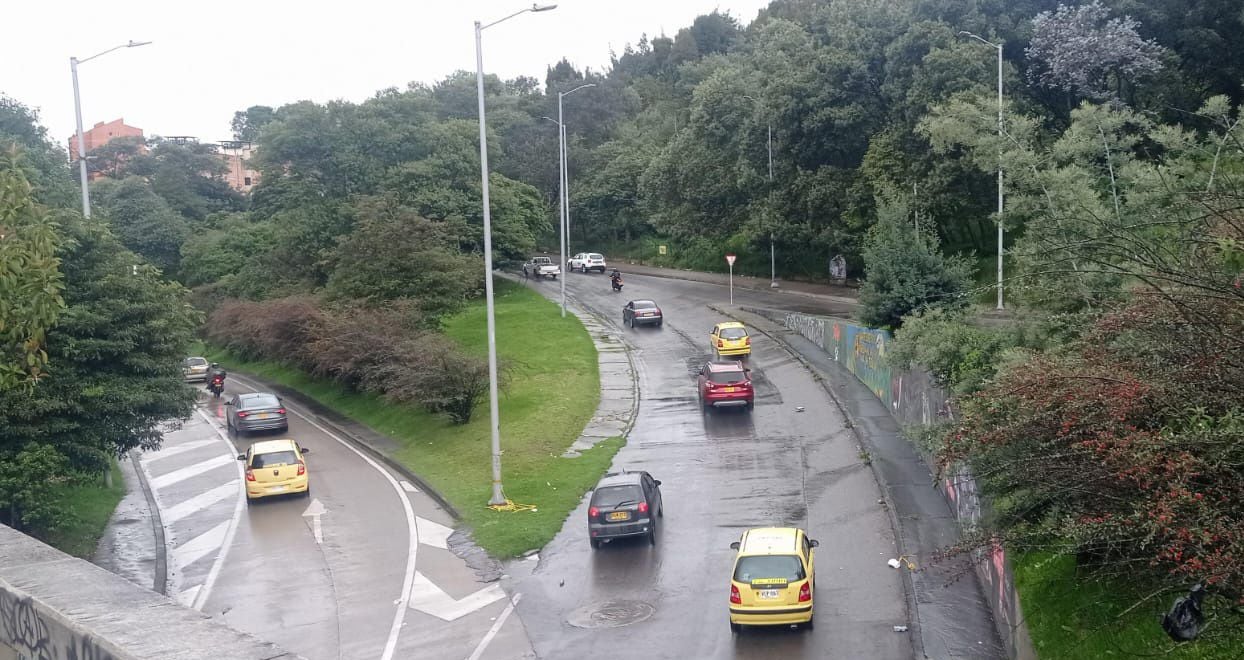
{"x": 805, "y": 592}
{"x": 280, "y": 411}
{"x": 592, "y": 512}
{"x": 242, "y": 414}
{"x": 302, "y": 468}
{"x": 643, "y": 507}
{"x": 735, "y": 596}
{"x": 250, "y": 475}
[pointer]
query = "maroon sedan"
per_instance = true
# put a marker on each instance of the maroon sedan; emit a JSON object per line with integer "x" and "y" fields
{"x": 726, "y": 384}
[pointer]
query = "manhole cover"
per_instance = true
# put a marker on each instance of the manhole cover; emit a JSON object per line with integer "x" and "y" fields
{"x": 612, "y": 614}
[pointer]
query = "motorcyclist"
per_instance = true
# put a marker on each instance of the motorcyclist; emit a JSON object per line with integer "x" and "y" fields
{"x": 215, "y": 372}
{"x": 616, "y": 278}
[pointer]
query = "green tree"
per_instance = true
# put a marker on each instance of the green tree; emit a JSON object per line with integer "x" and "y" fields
{"x": 905, "y": 270}
{"x": 44, "y": 162}
{"x": 190, "y": 178}
{"x": 31, "y": 282}
{"x": 143, "y": 221}
{"x": 213, "y": 254}
{"x": 248, "y": 123}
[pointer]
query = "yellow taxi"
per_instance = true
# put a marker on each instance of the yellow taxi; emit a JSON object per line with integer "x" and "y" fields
{"x": 275, "y": 467}
{"x": 773, "y": 579}
{"x": 730, "y": 338}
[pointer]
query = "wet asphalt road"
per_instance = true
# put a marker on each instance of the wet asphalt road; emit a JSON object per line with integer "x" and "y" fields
{"x": 721, "y": 472}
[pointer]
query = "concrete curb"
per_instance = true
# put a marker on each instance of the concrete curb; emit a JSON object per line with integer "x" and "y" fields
{"x": 909, "y": 587}
{"x": 324, "y": 416}
{"x": 160, "y": 583}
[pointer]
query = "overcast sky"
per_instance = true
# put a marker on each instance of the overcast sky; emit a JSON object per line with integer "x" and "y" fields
{"x": 210, "y": 58}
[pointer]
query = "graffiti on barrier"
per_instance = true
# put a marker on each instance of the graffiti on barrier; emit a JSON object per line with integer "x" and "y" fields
{"x": 25, "y": 630}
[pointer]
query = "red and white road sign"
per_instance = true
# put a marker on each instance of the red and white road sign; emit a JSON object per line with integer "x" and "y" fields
{"x": 730, "y": 259}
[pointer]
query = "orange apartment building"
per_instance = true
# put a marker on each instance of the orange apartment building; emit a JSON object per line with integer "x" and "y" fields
{"x": 102, "y": 134}
{"x": 237, "y": 155}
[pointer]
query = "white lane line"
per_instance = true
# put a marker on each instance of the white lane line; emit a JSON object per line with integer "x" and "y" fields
{"x": 409, "y": 487}
{"x": 165, "y": 452}
{"x": 186, "y": 597}
{"x": 431, "y": 599}
{"x": 199, "y": 546}
{"x": 198, "y": 503}
{"x": 201, "y": 596}
{"x": 191, "y": 471}
{"x": 412, "y": 542}
{"x": 433, "y": 533}
{"x": 496, "y": 627}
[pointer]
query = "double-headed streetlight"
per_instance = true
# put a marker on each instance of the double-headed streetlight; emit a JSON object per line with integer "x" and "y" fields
{"x": 498, "y": 497}
{"x": 77, "y": 107}
{"x": 772, "y": 253}
{"x": 564, "y": 197}
{"x": 997, "y": 46}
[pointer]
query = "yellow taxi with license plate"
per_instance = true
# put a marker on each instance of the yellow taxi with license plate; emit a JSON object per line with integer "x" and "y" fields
{"x": 275, "y": 467}
{"x": 730, "y": 338}
{"x": 773, "y": 582}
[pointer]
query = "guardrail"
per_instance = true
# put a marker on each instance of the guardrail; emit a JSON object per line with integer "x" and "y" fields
{"x": 57, "y": 607}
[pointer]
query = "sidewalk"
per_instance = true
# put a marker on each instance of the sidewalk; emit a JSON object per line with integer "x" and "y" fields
{"x": 839, "y": 294}
{"x": 950, "y": 615}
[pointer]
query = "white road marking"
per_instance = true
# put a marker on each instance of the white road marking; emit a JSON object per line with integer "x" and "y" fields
{"x": 191, "y": 471}
{"x": 409, "y": 487}
{"x": 314, "y": 511}
{"x": 201, "y": 596}
{"x": 433, "y": 533}
{"x": 198, "y": 503}
{"x": 430, "y": 599}
{"x": 496, "y": 627}
{"x": 412, "y": 543}
{"x": 187, "y": 597}
{"x": 165, "y": 452}
{"x": 199, "y": 546}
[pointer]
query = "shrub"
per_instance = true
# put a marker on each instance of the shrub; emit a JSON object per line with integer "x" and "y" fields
{"x": 960, "y": 356}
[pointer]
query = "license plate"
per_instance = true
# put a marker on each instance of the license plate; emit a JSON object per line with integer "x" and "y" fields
{"x": 729, "y": 389}
{"x": 277, "y": 489}
{"x": 768, "y": 594}
{"x": 262, "y": 415}
{"x": 620, "y": 515}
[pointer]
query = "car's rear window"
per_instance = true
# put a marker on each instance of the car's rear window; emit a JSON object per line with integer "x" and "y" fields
{"x": 195, "y": 362}
{"x": 262, "y": 401}
{"x": 611, "y": 496}
{"x": 769, "y": 566}
{"x": 645, "y": 304}
{"x": 733, "y": 333}
{"x": 287, "y": 457}
{"x": 595, "y": 256}
{"x": 727, "y": 376}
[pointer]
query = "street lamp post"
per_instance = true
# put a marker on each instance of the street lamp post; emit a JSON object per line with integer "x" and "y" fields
{"x": 772, "y": 252}
{"x": 563, "y": 184}
{"x": 498, "y": 497}
{"x": 77, "y": 107}
{"x": 997, "y": 46}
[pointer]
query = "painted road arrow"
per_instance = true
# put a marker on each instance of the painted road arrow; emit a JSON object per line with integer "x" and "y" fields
{"x": 428, "y": 598}
{"x": 314, "y": 511}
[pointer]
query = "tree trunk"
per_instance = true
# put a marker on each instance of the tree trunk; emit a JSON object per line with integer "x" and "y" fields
{"x": 108, "y": 477}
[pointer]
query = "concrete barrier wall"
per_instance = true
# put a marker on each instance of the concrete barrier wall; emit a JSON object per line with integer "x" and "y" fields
{"x": 57, "y": 607}
{"x": 914, "y": 399}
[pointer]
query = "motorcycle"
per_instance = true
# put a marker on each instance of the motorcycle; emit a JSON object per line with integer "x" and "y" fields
{"x": 216, "y": 386}
{"x": 617, "y": 284}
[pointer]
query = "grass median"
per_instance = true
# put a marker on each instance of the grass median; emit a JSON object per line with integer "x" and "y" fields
{"x": 88, "y": 505}
{"x": 1075, "y": 617}
{"x": 551, "y": 391}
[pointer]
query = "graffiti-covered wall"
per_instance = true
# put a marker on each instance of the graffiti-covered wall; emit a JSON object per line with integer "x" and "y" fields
{"x": 913, "y": 398}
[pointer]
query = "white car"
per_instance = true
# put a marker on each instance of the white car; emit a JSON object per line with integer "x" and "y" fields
{"x": 541, "y": 267}
{"x": 585, "y": 261}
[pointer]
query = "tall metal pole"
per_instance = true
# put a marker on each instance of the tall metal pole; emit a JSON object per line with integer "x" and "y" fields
{"x": 498, "y": 497}
{"x": 563, "y": 226}
{"x": 77, "y": 107}
{"x": 1000, "y": 176}
{"x": 772, "y": 252}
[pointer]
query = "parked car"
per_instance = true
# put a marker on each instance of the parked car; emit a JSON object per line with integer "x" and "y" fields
{"x": 194, "y": 369}
{"x": 541, "y": 267}
{"x": 275, "y": 467}
{"x": 730, "y": 338}
{"x": 624, "y": 504}
{"x": 642, "y": 312}
{"x": 256, "y": 411}
{"x": 774, "y": 577}
{"x": 586, "y": 261}
{"x": 726, "y": 384}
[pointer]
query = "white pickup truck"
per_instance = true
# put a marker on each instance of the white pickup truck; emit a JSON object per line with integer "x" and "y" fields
{"x": 541, "y": 267}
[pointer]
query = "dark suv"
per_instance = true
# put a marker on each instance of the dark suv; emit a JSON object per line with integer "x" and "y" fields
{"x": 624, "y": 504}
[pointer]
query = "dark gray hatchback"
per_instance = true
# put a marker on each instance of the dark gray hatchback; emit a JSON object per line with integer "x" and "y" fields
{"x": 624, "y": 504}
{"x": 256, "y": 411}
